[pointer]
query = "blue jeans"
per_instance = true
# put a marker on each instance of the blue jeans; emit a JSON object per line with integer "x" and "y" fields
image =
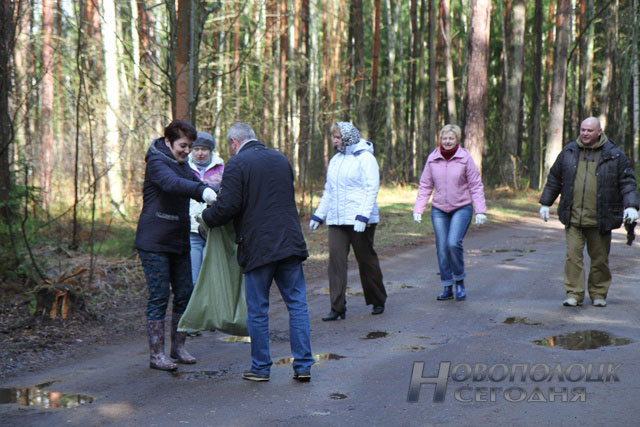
{"x": 197, "y": 255}
{"x": 450, "y": 228}
{"x": 166, "y": 272}
{"x": 289, "y": 277}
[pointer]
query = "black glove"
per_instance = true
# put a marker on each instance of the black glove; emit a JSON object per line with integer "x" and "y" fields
{"x": 630, "y": 227}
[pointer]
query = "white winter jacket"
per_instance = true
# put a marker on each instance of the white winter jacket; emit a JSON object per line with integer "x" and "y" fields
{"x": 350, "y": 193}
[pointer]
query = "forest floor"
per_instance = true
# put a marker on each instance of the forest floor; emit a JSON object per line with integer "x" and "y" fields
{"x": 112, "y": 310}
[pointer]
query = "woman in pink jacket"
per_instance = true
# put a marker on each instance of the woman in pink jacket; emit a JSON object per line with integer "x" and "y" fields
{"x": 453, "y": 178}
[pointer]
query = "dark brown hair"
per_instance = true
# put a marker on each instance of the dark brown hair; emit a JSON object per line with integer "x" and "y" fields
{"x": 179, "y": 128}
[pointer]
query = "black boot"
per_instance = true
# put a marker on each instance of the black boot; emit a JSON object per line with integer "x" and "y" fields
{"x": 460, "y": 292}
{"x": 378, "y": 309}
{"x": 178, "y": 351}
{"x": 157, "y": 358}
{"x": 446, "y": 294}
{"x": 334, "y": 315}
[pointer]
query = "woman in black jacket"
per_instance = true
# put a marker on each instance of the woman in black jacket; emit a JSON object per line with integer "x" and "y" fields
{"x": 162, "y": 238}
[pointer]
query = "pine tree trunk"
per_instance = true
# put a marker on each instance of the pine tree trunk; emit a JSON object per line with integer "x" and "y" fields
{"x": 514, "y": 85}
{"x": 433, "y": 77}
{"x": 536, "y": 100}
{"x": 392, "y": 135}
{"x": 549, "y": 58}
{"x": 588, "y": 65}
{"x": 7, "y": 40}
{"x": 477, "y": 80}
{"x": 356, "y": 28}
{"x": 450, "y": 84}
{"x": 635, "y": 64}
{"x": 374, "y": 71}
{"x": 46, "y": 165}
{"x": 284, "y": 138}
{"x": 607, "y": 74}
{"x": 183, "y": 52}
{"x": 556, "y": 116}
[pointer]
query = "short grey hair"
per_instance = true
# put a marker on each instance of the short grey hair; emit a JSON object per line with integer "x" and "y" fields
{"x": 241, "y": 131}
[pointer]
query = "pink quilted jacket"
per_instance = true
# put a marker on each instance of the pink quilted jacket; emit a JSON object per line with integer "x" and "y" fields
{"x": 454, "y": 183}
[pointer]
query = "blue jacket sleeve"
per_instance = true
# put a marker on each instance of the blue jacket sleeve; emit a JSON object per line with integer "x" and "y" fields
{"x": 162, "y": 175}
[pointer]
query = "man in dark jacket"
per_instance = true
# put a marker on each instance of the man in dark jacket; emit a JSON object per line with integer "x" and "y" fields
{"x": 596, "y": 183}
{"x": 257, "y": 194}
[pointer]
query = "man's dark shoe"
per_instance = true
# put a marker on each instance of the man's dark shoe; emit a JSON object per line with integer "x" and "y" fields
{"x": 460, "y": 292}
{"x": 378, "y": 309}
{"x": 254, "y": 376}
{"x": 446, "y": 294}
{"x": 334, "y": 315}
{"x": 303, "y": 377}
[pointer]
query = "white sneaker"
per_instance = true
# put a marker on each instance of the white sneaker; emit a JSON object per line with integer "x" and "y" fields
{"x": 599, "y": 302}
{"x": 570, "y": 302}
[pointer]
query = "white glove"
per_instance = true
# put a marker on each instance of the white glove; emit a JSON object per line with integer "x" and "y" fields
{"x": 544, "y": 213}
{"x": 630, "y": 215}
{"x": 313, "y": 225}
{"x": 481, "y": 219}
{"x": 359, "y": 226}
{"x": 209, "y": 196}
{"x": 417, "y": 217}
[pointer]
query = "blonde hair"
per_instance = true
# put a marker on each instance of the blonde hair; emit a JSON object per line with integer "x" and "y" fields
{"x": 451, "y": 128}
{"x": 334, "y": 128}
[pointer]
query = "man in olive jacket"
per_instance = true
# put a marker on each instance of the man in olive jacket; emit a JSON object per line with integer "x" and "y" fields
{"x": 597, "y": 191}
{"x": 257, "y": 194}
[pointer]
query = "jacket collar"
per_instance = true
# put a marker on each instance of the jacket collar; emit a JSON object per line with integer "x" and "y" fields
{"x": 459, "y": 154}
{"x": 245, "y": 146}
{"x": 158, "y": 147}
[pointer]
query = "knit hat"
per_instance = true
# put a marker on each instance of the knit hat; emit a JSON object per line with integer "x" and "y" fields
{"x": 350, "y": 134}
{"x": 204, "y": 139}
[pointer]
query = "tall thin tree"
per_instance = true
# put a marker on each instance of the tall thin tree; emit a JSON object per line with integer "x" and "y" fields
{"x": 556, "y": 115}
{"x": 46, "y": 159}
{"x": 514, "y": 84}
{"x": 477, "y": 80}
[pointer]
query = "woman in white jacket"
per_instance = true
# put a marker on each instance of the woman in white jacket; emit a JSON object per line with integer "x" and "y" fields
{"x": 349, "y": 208}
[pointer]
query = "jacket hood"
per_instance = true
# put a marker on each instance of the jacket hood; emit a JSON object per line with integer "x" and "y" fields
{"x": 362, "y": 146}
{"x": 599, "y": 144}
{"x": 159, "y": 148}
{"x": 350, "y": 134}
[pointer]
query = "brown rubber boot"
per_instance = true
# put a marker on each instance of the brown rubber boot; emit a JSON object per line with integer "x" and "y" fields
{"x": 157, "y": 359}
{"x": 178, "y": 351}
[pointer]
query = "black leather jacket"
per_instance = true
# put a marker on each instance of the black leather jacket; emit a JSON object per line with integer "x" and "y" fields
{"x": 617, "y": 188}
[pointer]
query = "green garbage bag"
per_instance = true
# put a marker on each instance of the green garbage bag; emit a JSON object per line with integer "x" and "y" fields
{"x": 218, "y": 300}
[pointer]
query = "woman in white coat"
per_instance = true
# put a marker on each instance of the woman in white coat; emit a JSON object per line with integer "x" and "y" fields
{"x": 349, "y": 208}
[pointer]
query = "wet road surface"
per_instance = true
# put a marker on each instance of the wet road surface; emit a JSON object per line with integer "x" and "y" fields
{"x": 364, "y": 363}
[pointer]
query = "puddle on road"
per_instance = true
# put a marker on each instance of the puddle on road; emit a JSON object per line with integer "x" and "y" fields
{"x": 36, "y": 396}
{"x": 582, "y": 340}
{"x": 234, "y": 338}
{"x": 338, "y": 396}
{"x": 318, "y": 357}
{"x": 519, "y": 320}
{"x": 375, "y": 335}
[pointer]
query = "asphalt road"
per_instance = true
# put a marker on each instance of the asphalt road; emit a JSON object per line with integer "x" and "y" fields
{"x": 514, "y": 275}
